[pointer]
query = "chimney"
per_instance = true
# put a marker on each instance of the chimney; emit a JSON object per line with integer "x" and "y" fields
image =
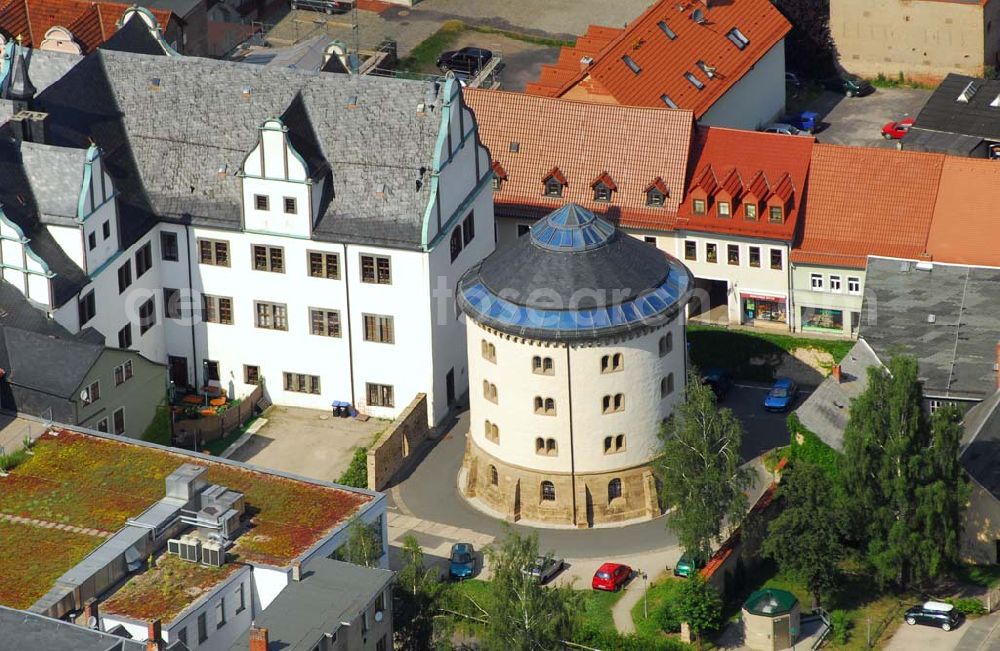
{"x": 154, "y": 635}
{"x": 836, "y": 371}
{"x": 258, "y": 639}
{"x": 91, "y": 618}
{"x": 297, "y": 566}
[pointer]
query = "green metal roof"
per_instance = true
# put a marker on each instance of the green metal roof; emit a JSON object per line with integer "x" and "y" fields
{"x": 770, "y": 602}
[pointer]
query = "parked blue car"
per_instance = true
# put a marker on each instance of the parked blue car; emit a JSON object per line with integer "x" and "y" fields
{"x": 463, "y": 561}
{"x": 781, "y": 396}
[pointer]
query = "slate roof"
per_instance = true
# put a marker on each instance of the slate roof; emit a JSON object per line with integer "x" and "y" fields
{"x": 28, "y": 337}
{"x": 663, "y": 61}
{"x": 165, "y": 147}
{"x": 957, "y": 348}
{"x": 24, "y": 630}
{"x": 44, "y": 67}
{"x": 329, "y": 595}
{"x": 56, "y": 177}
{"x": 965, "y": 211}
{"x": 633, "y": 145}
{"x": 980, "y": 451}
{"x": 856, "y": 205}
{"x": 825, "y": 412}
{"x": 749, "y": 154}
{"x": 90, "y": 21}
{"x": 976, "y": 117}
{"x": 306, "y": 55}
{"x": 134, "y": 36}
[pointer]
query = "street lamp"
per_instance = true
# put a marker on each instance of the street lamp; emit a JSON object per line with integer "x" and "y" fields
{"x": 645, "y": 593}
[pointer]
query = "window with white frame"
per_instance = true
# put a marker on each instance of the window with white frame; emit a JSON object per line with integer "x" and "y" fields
{"x": 816, "y": 282}
{"x": 835, "y": 284}
{"x": 853, "y": 285}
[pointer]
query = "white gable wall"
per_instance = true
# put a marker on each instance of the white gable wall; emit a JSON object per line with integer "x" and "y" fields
{"x": 756, "y": 99}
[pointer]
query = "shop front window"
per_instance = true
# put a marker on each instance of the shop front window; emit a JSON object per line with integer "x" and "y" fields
{"x": 819, "y": 319}
{"x": 763, "y": 308}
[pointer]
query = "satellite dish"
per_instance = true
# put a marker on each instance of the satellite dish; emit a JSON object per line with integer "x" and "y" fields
{"x": 92, "y": 623}
{"x": 698, "y": 16}
{"x": 85, "y": 395}
{"x": 378, "y": 615}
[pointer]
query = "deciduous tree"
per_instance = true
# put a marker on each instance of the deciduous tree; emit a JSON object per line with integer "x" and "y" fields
{"x": 700, "y": 471}
{"x": 700, "y": 605}
{"x": 415, "y": 599}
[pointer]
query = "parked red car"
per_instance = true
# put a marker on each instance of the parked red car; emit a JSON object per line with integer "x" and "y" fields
{"x": 896, "y": 130}
{"x": 611, "y": 577}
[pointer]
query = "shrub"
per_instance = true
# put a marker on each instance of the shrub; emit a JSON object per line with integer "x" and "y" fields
{"x": 158, "y": 430}
{"x": 356, "y": 474}
{"x": 13, "y": 459}
{"x": 602, "y": 638}
{"x": 812, "y": 448}
{"x": 968, "y": 606}
{"x": 840, "y": 626}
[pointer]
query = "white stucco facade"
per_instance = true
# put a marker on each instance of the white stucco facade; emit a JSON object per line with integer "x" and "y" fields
{"x": 756, "y": 99}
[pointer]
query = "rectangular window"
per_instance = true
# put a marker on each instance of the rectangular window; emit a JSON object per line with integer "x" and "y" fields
{"x": 118, "y": 418}
{"x": 106, "y": 230}
{"x": 102, "y": 425}
{"x": 301, "y": 383}
{"x": 816, "y": 282}
{"x": 217, "y": 309}
{"x": 168, "y": 246}
{"x": 669, "y": 33}
{"x": 381, "y": 644}
{"x": 324, "y": 265}
{"x": 125, "y": 336}
{"x": 272, "y": 316}
{"x": 290, "y": 207}
{"x": 143, "y": 259}
{"x": 214, "y": 252}
{"x": 711, "y": 252}
{"x": 87, "y": 308}
{"x": 92, "y": 241}
{"x": 750, "y": 211}
{"x": 260, "y": 201}
{"x": 777, "y": 261}
{"x": 202, "y": 628}
{"x": 375, "y": 269}
{"x": 241, "y": 601}
{"x": 268, "y": 258}
{"x": 123, "y": 372}
{"x": 723, "y": 209}
{"x": 699, "y": 206}
{"x": 147, "y": 315}
{"x": 182, "y": 635}
{"x": 469, "y": 228}
{"x": 777, "y": 215}
{"x": 211, "y": 367}
{"x": 251, "y": 375}
{"x": 754, "y": 256}
{"x": 379, "y": 395}
{"x": 733, "y": 254}
{"x": 220, "y": 613}
{"x": 690, "y": 250}
{"x": 632, "y": 65}
{"x": 853, "y": 285}
{"x": 325, "y": 323}
{"x": 92, "y": 393}
{"x": 835, "y": 284}
{"x": 124, "y": 276}
{"x": 378, "y": 328}
{"x": 171, "y": 303}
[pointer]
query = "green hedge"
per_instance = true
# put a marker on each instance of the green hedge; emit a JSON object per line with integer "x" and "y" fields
{"x": 812, "y": 448}
{"x": 356, "y": 474}
{"x": 158, "y": 430}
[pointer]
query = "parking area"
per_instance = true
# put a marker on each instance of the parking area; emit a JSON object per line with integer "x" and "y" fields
{"x": 308, "y": 442}
{"x": 858, "y": 121}
{"x": 762, "y": 430}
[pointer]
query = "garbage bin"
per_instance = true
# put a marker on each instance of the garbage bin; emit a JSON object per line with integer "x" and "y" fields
{"x": 345, "y": 410}
{"x": 337, "y": 407}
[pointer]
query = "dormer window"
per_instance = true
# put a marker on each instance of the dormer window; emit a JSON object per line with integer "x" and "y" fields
{"x": 698, "y": 206}
{"x": 722, "y": 208}
{"x": 776, "y": 215}
{"x": 654, "y": 198}
{"x": 750, "y": 211}
{"x": 603, "y": 186}
{"x": 499, "y": 175}
{"x": 554, "y": 182}
{"x": 496, "y": 182}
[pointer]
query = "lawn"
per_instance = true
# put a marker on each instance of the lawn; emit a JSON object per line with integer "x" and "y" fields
{"x": 660, "y": 593}
{"x": 219, "y": 445}
{"x": 737, "y": 350}
{"x": 34, "y": 557}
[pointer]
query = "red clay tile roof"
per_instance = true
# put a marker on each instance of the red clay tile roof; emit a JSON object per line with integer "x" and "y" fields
{"x": 773, "y": 163}
{"x": 663, "y": 61}
{"x": 965, "y": 213}
{"x": 633, "y": 145}
{"x": 606, "y": 179}
{"x": 555, "y": 173}
{"x": 91, "y": 23}
{"x": 864, "y": 201}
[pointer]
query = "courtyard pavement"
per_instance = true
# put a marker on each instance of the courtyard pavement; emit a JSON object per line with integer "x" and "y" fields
{"x": 308, "y": 442}
{"x": 981, "y": 634}
{"x": 13, "y": 430}
{"x": 858, "y": 121}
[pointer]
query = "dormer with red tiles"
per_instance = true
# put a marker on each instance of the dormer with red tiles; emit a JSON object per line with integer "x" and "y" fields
{"x": 499, "y": 175}
{"x": 757, "y": 192}
{"x": 728, "y": 195}
{"x": 781, "y": 201}
{"x": 554, "y": 182}
{"x": 701, "y": 193}
{"x": 657, "y": 193}
{"x": 603, "y": 186}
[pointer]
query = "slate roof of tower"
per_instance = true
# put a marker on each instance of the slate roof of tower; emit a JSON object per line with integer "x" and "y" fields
{"x": 134, "y": 36}
{"x": 165, "y": 147}
{"x": 575, "y": 277}
{"x": 56, "y": 176}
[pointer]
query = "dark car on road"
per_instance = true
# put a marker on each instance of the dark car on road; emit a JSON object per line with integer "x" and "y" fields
{"x": 933, "y": 613}
{"x": 468, "y": 60}
{"x": 544, "y": 568}
{"x": 719, "y": 380}
{"x": 462, "y": 564}
{"x": 848, "y": 85}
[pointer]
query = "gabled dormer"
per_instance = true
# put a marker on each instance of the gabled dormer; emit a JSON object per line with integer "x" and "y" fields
{"x": 603, "y": 186}
{"x": 728, "y": 195}
{"x": 554, "y": 182}
{"x": 283, "y": 176}
{"x": 757, "y": 193}
{"x": 781, "y": 201}
{"x": 702, "y": 191}
{"x": 657, "y": 193}
{"x": 499, "y": 174}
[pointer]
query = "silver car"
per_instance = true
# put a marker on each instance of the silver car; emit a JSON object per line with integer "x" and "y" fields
{"x": 544, "y": 568}
{"x": 782, "y": 128}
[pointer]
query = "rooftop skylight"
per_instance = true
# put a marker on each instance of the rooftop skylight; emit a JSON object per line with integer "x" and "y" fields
{"x": 968, "y": 92}
{"x": 697, "y": 83}
{"x": 738, "y": 38}
{"x": 666, "y": 100}
{"x": 632, "y": 65}
{"x": 665, "y": 28}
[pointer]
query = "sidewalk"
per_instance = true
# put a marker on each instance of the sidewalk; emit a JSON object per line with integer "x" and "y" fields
{"x": 982, "y": 634}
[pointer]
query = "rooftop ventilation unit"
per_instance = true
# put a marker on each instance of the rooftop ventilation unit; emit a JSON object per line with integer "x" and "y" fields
{"x": 213, "y": 554}
{"x": 925, "y": 266}
{"x": 586, "y": 61}
{"x": 187, "y": 547}
{"x": 968, "y": 92}
{"x": 247, "y": 92}
{"x": 931, "y": 318}
{"x": 154, "y": 83}
{"x": 515, "y": 147}
{"x": 707, "y": 69}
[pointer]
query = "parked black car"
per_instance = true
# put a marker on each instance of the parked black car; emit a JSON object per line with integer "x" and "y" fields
{"x": 468, "y": 60}
{"x": 933, "y": 613}
{"x": 719, "y": 380}
{"x": 849, "y": 85}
